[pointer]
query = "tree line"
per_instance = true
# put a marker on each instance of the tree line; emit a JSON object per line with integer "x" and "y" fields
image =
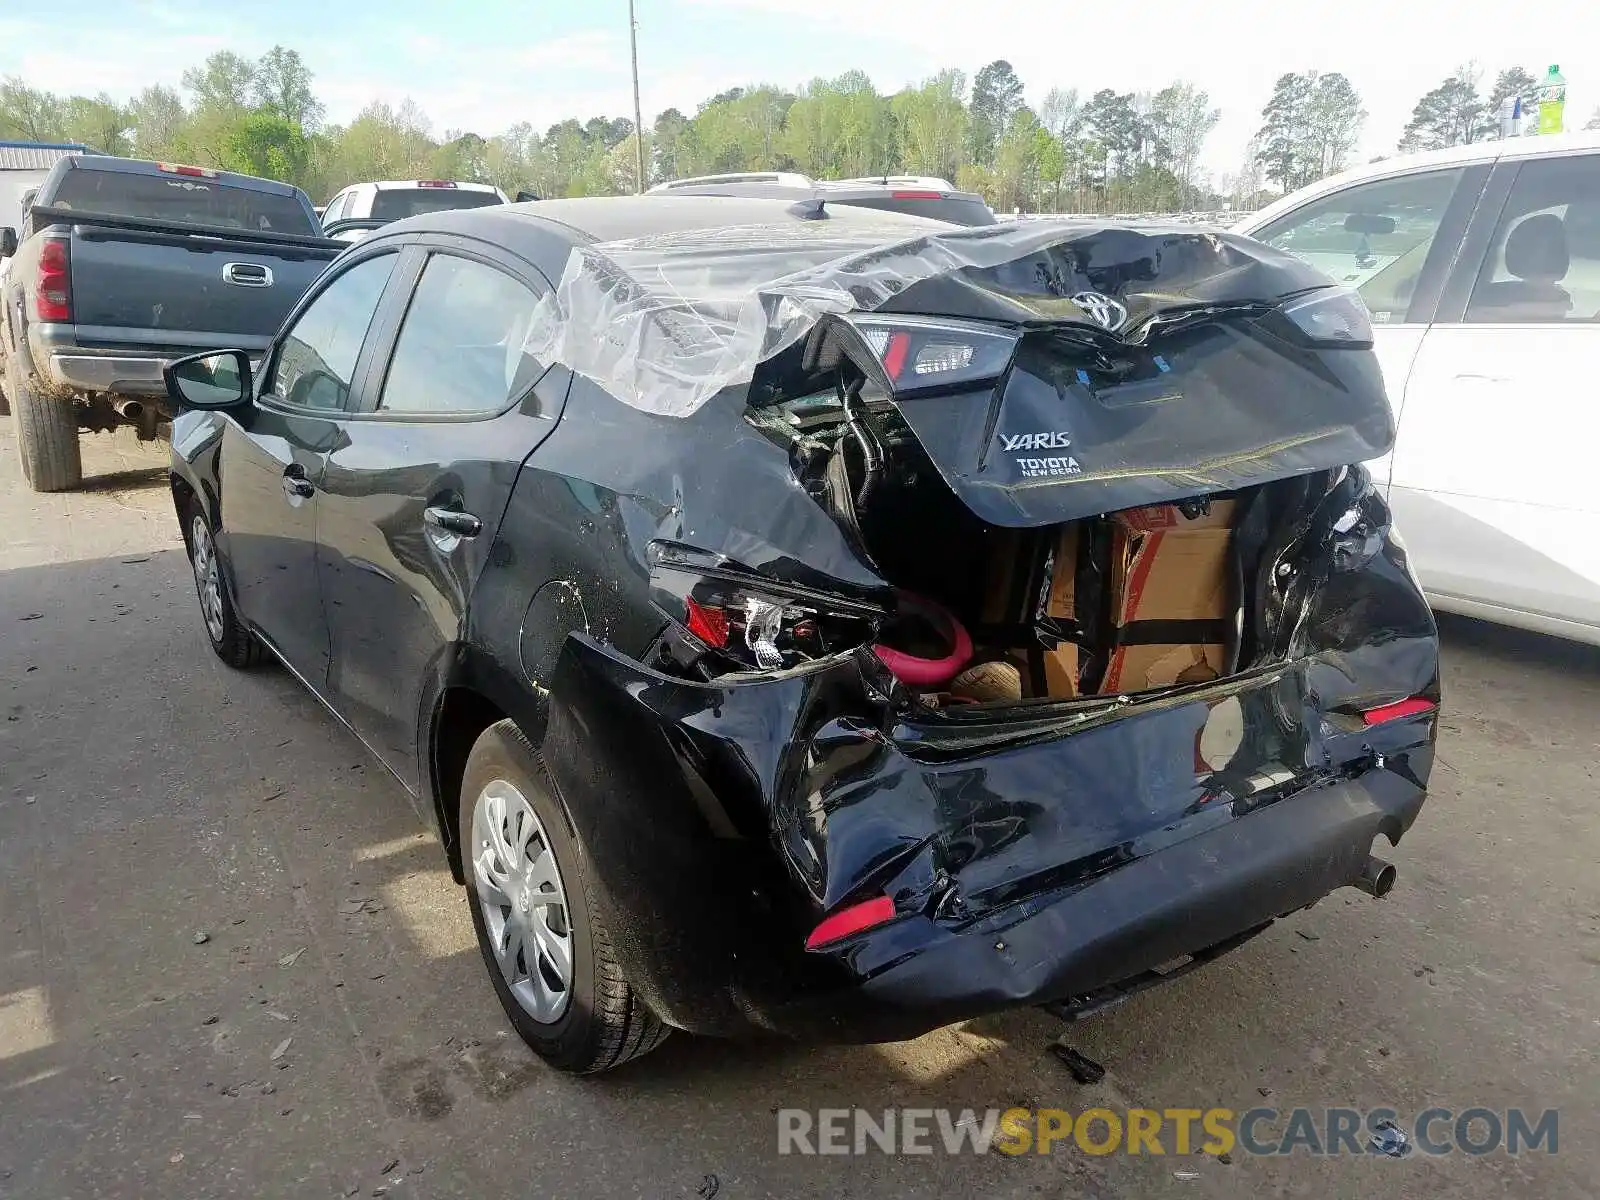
{"x": 1108, "y": 151}
{"x": 1459, "y": 111}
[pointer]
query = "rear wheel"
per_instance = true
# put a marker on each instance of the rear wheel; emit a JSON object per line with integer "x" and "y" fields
{"x": 232, "y": 642}
{"x": 541, "y": 932}
{"x": 47, "y": 436}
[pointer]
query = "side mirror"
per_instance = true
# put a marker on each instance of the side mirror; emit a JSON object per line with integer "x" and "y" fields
{"x": 215, "y": 380}
{"x": 524, "y": 197}
{"x": 8, "y": 241}
{"x": 1369, "y": 224}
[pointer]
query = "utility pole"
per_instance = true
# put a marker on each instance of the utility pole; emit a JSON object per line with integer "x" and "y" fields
{"x": 638, "y": 115}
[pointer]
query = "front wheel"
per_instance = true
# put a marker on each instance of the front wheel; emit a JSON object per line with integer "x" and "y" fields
{"x": 232, "y": 642}
{"x": 542, "y": 935}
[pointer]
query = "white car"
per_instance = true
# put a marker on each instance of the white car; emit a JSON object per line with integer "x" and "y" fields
{"x": 1481, "y": 265}
{"x": 391, "y": 199}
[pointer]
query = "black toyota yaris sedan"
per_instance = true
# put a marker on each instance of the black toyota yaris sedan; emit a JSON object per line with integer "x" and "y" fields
{"x": 826, "y": 622}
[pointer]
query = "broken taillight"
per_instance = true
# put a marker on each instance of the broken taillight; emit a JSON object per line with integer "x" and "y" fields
{"x": 1414, "y": 706}
{"x": 848, "y": 922}
{"x": 755, "y": 622}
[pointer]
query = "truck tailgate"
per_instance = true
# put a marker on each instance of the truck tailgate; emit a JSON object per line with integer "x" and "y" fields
{"x": 143, "y": 287}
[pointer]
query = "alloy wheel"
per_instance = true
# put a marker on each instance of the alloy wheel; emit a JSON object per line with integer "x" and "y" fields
{"x": 523, "y": 902}
{"x": 207, "y": 577}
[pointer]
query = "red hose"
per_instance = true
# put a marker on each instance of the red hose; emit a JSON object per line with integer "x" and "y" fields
{"x": 928, "y": 672}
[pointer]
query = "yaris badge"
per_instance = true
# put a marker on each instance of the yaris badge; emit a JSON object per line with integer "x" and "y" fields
{"x": 1102, "y": 310}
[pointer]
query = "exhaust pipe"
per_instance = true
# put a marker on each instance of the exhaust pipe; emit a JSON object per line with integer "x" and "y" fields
{"x": 129, "y": 410}
{"x": 1377, "y": 878}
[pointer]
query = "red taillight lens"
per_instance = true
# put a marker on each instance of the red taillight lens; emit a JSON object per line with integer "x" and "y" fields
{"x": 850, "y": 921}
{"x": 916, "y": 195}
{"x": 708, "y": 623}
{"x": 1400, "y": 709}
{"x": 894, "y": 354}
{"x": 52, "y": 297}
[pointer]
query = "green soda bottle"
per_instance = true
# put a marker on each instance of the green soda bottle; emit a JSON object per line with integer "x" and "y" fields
{"x": 1552, "y": 100}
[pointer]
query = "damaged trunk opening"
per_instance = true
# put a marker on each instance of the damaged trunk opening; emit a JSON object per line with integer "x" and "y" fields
{"x": 1027, "y": 625}
{"x": 1019, "y": 770}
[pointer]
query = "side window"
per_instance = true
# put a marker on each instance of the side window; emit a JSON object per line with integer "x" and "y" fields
{"x": 335, "y": 210}
{"x": 318, "y": 355}
{"x": 1374, "y": 236}
{"x": 1543, "y": 263}
{"x": 461, "y": 348}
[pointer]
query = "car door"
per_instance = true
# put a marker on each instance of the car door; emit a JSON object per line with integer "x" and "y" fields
{"x": 413, "y": 493}
{"x": 273, "y": 457}
{"x": 1392, "y": 239}
{"x": 1493, "y": 476}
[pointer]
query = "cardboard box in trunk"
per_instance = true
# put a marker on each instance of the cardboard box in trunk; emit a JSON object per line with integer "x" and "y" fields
{"x": 1031, "y": 586}
{"x": 1171, "y": 599}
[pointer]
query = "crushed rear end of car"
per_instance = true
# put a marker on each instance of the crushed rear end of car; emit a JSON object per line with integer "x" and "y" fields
{"x": 1126, "y": 661}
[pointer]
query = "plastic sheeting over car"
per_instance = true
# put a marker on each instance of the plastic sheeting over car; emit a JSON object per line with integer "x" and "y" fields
{"x": 665, "y": 322}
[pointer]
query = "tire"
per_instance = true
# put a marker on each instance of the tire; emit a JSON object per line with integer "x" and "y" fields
{"x": 230, "y": 640}
{"x": 47, "y": 437}
{"x": 599, "y": 1022}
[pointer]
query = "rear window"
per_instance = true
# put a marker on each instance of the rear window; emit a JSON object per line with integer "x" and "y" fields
{"x": 391, "y": 204}
{"x": 953, "y": 209}
{"x": 182, "y": 198}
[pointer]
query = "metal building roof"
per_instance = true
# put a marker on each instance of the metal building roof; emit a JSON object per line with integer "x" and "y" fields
{"x": 15, "y": 156}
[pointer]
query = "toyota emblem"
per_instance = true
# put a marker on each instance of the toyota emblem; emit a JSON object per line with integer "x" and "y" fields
{"x": 1102, "y": 310}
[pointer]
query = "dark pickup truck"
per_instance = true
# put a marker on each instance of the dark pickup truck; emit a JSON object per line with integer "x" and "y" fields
{"x": 122, "y": 266}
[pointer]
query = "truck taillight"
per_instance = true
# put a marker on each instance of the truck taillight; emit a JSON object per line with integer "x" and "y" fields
{"x": 52, "y": 296}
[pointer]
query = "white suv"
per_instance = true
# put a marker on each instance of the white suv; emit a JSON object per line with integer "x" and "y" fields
{"x": 391, "y": 199}
{"x": 1481, "y": 265}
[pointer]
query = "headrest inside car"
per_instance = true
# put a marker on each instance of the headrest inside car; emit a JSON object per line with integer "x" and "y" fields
{"x": 1537, "y": 249}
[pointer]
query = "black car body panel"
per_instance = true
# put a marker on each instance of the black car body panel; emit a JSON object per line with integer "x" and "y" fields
{"x": 1033, "y": 853}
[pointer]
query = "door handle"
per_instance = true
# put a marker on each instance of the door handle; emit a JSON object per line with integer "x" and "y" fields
{"x": 295, "y": 484}
{"x": 450, "y": 521}
{"x": 244, "y": 274}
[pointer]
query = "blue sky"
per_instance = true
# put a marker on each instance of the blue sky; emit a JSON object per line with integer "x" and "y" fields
{"x": 486, "y": 64}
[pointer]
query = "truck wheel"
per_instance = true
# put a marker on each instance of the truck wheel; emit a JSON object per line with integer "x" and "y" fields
{"x": 47, "y": 437}
{"x": 232, "y": 642}
{"x": 540, "y": 929}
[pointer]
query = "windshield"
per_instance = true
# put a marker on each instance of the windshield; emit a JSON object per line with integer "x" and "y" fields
{"x": 391, "y": 204}
{"x": 184, "y": 199}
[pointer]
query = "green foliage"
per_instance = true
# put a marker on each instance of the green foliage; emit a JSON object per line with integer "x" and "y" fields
{"x": 1452, "y": 114}
{"x": 1311, "y": 126}
{"x": 262, "y": 143}
{"x": 1115, "y": 151}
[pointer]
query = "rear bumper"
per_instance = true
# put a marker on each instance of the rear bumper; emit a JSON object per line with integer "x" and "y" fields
{"x": 1027, "y": 865}
{"x": 1263, "y": 865}
{"x": 122, "y": 374}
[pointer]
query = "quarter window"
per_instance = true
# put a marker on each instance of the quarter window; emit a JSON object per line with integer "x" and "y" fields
{"x": 461, "y": 347}
{"x": 318, "y": 356}
{"x": 1374, "y": 236}
{"x": 1543, "y": 264}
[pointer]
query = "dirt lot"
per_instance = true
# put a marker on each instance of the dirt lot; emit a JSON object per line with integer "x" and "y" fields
{"x": 312, "y": 1045}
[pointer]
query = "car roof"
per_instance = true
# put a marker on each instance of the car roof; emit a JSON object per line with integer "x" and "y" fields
{"x": 1519, "y": 148}
{"x": 841, "y": 190}
{"x": 613, "y": 218}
